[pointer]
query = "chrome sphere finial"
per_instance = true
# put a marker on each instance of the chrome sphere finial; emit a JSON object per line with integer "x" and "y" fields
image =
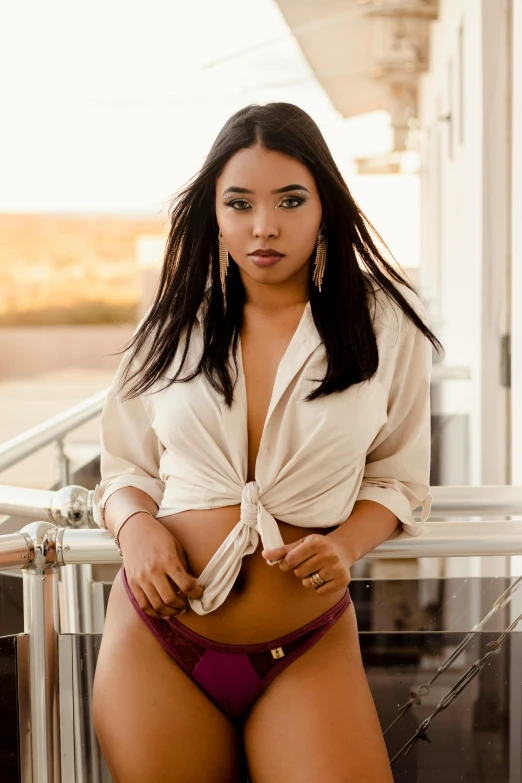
{"x": 69, "y": 507}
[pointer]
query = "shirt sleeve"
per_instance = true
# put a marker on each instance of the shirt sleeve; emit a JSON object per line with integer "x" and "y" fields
{"x": 397, "y": 469}
{"x": 130, "y": 448}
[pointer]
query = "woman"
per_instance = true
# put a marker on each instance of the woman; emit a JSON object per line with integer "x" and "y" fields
{"x": 281, "y": 393}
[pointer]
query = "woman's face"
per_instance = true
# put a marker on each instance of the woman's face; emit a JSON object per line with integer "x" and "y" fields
{"x": 252, "y": 216}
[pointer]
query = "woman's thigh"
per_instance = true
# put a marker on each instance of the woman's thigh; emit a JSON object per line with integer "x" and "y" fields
{"x": 317, "y": 720}
{"x": 152, "y": 721}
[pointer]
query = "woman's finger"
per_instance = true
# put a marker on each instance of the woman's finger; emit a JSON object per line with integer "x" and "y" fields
{"x": 179, "y": 592}
{"x": 143, "y": 601}
{"x": 308, "y": 547}
{"x": 309, "y": 566}
{"x": 166, "y": 590}
{"x": 183, "y": 580}
{"x": 157, "y": 603}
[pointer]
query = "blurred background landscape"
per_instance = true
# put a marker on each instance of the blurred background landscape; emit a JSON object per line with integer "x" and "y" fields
{"x": 71, "y": 269}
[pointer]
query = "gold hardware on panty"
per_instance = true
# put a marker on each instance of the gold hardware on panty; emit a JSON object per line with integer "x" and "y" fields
{"x": 277, "y": 652}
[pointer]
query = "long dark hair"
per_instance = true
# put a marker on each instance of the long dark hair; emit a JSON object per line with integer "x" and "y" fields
{"x": 341, "y": 311}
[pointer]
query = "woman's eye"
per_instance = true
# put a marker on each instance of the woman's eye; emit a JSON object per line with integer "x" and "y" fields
{"x": 296, "y": 199}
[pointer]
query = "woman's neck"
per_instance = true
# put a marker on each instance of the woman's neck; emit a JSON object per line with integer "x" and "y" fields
{"x": 275, "y": 297}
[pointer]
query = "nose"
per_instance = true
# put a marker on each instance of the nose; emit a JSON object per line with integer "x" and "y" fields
{"x": 265, "y": 222}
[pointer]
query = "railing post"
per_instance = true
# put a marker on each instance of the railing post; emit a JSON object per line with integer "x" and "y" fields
{"x": 41, "y": 626}
{"x": 63, "y": 464}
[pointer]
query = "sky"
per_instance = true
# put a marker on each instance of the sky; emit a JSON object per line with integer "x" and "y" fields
{"x": 109, "y": 107}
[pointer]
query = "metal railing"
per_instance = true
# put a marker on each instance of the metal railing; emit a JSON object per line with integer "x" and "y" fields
{"x": 82, "y": 607}
{"x": 465, "y": 521}
{"x": 71, "y": 505}
{"x": 40, "y": 548}
{"x": 54, "y": 429}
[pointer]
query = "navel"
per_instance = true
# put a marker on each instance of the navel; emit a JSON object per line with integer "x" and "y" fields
{"x": 239, "y": 584}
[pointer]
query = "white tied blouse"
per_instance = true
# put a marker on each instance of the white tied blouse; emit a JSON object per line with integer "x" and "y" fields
{"x": 187, "y": 450}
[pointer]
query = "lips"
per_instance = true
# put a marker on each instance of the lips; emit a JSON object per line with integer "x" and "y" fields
{"x": 267, "y": 257}
{"x": 269, "y": 251}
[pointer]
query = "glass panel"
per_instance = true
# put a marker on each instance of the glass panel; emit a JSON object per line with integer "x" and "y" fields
{"x": 452, "y": 604}
{"x": 9, "y": 737}
{"x": 477, "y": 737}
{"x": 11, "y": 604}
{"x": 78, "y": 656}
{"x": 408, "y": 628}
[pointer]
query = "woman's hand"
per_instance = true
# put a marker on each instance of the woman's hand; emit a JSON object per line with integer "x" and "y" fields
{"x": 315, "y": 553}
{"x": 156, "y": 567}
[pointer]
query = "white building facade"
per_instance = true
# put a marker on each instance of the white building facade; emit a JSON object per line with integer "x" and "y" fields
{"x": 468, "y": 208}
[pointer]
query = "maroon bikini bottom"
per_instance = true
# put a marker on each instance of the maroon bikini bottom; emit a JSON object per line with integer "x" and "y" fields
{"x": 234, "y": 675}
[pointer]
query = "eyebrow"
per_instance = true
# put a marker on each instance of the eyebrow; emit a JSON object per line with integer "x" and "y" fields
{"x": 235, "y": 189}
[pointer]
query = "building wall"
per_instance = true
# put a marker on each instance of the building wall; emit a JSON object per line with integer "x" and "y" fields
{"x": 516, "y": 229}
{"x": 467, "y": 237}
{"x": 464, "y": 112}
{"x": 516, "y": 250}
{"x": 451, "y": 186}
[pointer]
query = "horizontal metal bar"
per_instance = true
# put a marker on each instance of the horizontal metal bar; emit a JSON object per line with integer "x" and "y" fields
{"x": 26, "y": 503}
{"x": 456, "y": 538}
{"x": 89, "y": 546}
{"x": 503, "y": 500}
{"x": 69, "y": 506}
{"x": 438, "y": 538}
{"x": 15, "y": 551}
{"x": 442, "y": 372}
{"x": 448, "y": 538}
{"x": 25, "y": 444}
{"x": 476, "y": 501}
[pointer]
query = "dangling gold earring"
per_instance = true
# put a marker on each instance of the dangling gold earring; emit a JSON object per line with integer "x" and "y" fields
{"x": 223, "y": 264}
{"x": 320, "y": 257}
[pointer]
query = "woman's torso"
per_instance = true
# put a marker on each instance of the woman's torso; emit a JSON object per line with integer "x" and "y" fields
{"x": 265, "y": 601}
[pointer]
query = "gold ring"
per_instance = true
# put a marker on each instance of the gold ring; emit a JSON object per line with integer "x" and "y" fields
{"x": 316, "y": 579}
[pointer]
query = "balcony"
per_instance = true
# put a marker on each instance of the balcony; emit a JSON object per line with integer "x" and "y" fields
{"x": 442, "y": 649}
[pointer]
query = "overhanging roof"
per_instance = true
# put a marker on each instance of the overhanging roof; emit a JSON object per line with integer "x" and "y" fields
{"x": 367, "y": 54}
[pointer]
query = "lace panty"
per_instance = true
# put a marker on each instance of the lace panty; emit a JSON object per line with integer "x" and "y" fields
{"x": 234, "y": 675}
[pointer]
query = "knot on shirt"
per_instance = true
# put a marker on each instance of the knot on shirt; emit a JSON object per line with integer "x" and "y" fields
{"x": 249, "y": 503}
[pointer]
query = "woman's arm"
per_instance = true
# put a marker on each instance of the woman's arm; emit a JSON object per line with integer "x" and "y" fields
{"x": 368, "y": 525}
{"x": 129, "y": 462}
{"x": 332, "y": 555}
{"x": 130, "y": 455}
{"x": 124, "y": 502}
